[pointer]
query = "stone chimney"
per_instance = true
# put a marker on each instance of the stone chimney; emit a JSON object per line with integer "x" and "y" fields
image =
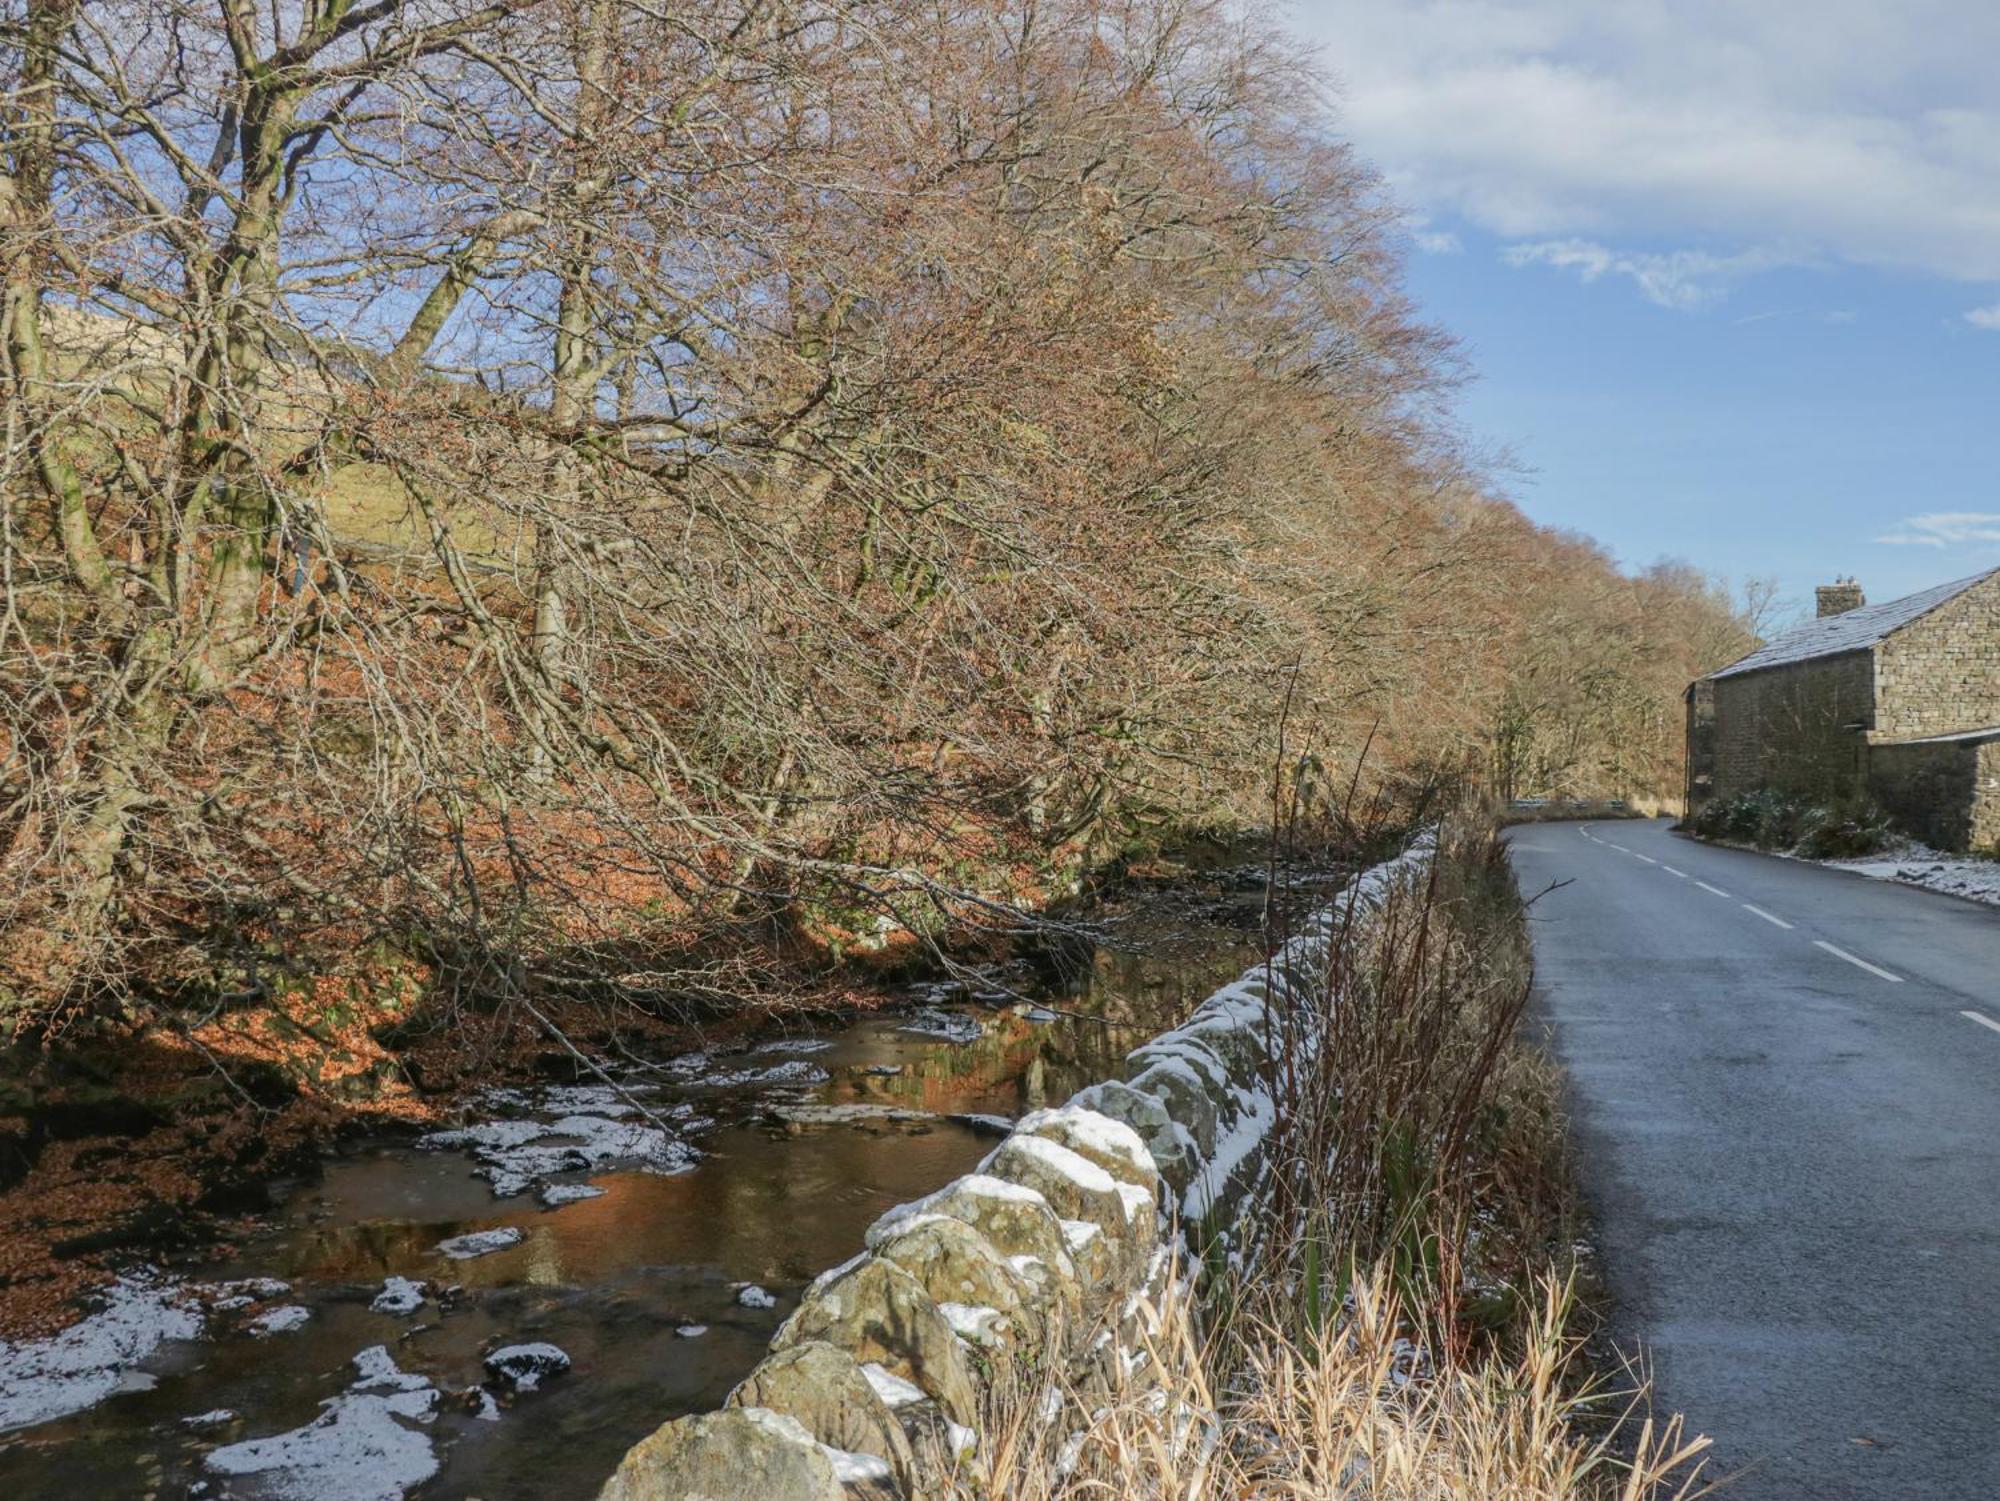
{"x": 1840, "y": 597}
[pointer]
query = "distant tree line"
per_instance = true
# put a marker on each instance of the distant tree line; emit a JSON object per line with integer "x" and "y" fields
{"x": 571, "y": 483}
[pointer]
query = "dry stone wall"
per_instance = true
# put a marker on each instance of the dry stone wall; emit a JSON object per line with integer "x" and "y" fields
{"x": 1052, "y": 1250}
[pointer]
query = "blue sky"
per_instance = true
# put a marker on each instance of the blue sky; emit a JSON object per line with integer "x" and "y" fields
{"x": 1728, "y": 273}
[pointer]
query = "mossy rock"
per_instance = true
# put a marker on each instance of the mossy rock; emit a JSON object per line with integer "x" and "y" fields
{"x": 726, "y": 1456}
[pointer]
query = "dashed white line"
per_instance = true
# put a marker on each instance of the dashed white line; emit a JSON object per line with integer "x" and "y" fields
{"x": 1672, "y": 872}
{"x": 1716, "y": 889}
{"x": 1618, "y": 847}
{"x": 1637, "y": 856}
{"x": 1779, "y": 921}
{"x": 1872, "y": 969}
{"x": 1984, "y": 1021}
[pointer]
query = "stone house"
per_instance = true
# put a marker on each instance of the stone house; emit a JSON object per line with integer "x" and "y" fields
{"x": 1898, "y": 702}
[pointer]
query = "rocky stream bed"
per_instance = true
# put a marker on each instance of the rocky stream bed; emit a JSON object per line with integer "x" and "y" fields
{"x": 500, "y": 1308}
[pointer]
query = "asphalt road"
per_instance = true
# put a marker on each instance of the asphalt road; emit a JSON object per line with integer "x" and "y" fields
{"x": 1789, "y": 1130}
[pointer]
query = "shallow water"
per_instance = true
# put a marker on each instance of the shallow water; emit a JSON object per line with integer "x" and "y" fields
{"x": 613, "y": 1280}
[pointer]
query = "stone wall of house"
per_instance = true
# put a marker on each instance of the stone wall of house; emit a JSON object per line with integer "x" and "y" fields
{"x": 1928, "y": 790}
{"x": 1944, "y": 792}
{"x": 1700, "y": 742}
{"x": 1985, "y": 836}
{"x": 1941, "y": 674}
{"x": 1791, "y": 728}
{"x": 1049, "y": 1255}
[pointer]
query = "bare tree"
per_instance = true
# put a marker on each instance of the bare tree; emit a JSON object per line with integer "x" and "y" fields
{"x": 533, "y": 477}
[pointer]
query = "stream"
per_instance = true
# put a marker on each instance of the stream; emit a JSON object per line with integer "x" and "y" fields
{"x": 653, "y": 1236}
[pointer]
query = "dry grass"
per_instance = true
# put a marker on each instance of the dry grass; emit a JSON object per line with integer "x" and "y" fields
{"x": 1367, "y": 1412}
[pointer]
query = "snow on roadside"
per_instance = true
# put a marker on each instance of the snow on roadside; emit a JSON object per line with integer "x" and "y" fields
{"x": 41, "y": 1380}
{"x": 1968, "y": 876}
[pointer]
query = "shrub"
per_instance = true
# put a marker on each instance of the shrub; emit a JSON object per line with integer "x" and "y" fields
{"x": 1776, "y": 820}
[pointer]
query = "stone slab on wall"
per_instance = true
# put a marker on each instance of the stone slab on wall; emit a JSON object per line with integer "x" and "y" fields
{"x": 1054, "y": 1249}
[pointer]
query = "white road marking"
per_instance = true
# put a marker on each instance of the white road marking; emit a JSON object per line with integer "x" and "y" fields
{"x": 1858, "y": 963}
{"x": 1984, "y": 1021}
{"x": 1647, "y": 858}
{"x": 1716, "y": 889}
{"x": 1766, "y": 916}
{"x": 1672, "y": 872}
{"x": 1619, "y": 847}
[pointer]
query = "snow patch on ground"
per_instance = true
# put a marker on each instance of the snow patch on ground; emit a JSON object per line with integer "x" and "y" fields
{"x": 478, "y": 1243}
{"x": 754, "y": 1296}
{"x": 555, "y": 1195}
{"x": 278, "y": 1320}
{"x": 250, "y": 1289}
{"x": 41, "y": 1380}
{"x": 513, "y": 1155}
{"x": 1918, "y": 865}
{"x": 798, "y": 1074}
{"x": 361, "y": 1447}
{"x": 399, "y": 1295}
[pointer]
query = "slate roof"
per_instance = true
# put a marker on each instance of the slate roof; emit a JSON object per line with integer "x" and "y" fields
{"x": 1854, "y": 631}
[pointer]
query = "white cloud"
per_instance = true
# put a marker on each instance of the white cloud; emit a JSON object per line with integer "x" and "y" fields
{"x": 1987, "y": 318}
{"x": 1946, "y": 529}
{"x": 1682, "y": 279}
{"x": 1843, "y": 130}
{"x": 1439, "y": 242}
